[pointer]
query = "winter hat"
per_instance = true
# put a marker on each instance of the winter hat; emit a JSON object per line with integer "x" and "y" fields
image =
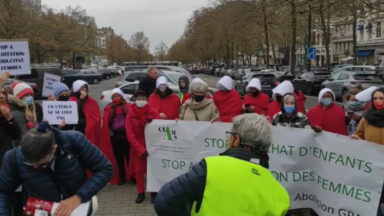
{"x": 118, "y": 91}
{"x": 366, "y": 94}
{"x": 325, "y": 90}
{"x": 58, "y": 88}
{"x": 198, "y": 80}
{"x": 255, "y": 82}
{"x": 76, "y": 86}
{"x": 21, "y": 89}
{"x": 283, "y": 88}
{"x": 14, "y": 84}
{"x": 161, "y": 80}
{"x": 226, "y": 81}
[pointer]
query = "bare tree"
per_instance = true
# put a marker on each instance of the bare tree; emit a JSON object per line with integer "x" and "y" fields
{"x": 140, "y": 42}
{"x": 161, "y": 51}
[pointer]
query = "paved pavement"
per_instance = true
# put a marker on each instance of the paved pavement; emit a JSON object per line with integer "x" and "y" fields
{"x": 120, "y": 200}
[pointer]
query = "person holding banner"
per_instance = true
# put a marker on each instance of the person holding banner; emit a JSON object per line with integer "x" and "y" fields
{"x": 289, "y": 116}
{"x": 32, "y": 112}
{"x": 114, "y": 143}
{"x": 199, "y": 107}
{"x": 164, "y": 101}
{"x": 136, "y": 120}
{"x": 255, "y": 101}
{"x": 227, "y": 100}
{"x": 250, "y": 189}
{"x": 51, "y": 165}
{"x": 61, "y": 93}
{"x": 277, "y": 95}
{"x": 327, "y": 115}
{"x": 354, "y": 110}
{"x": 89, "y": 112}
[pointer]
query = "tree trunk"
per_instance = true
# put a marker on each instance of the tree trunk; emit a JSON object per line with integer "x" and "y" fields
{"x": 325, "y": 24}
{"x": 292, "y": 62}
{"x": 354, "y": 28}
{"x": 266, "y": 34}
{"x": 274, "y": 55}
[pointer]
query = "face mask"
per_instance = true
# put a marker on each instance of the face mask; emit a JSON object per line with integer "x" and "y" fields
{"x": 326, "y": 101}
{"x": 63, "y": 98}
{"x": 378, "y": 106}
{"x": 141, "y": 103}
{"x": 255, "y": 93}
{"x": 198, "y": 98}
{"x": 183, "y": 85}
{"x": 28, "y": 100}
{"x": 117, "y": 101}
{"x": 355, "y": 105}
{"x": 162, "y": 88}
{"x": 289, "y": 109}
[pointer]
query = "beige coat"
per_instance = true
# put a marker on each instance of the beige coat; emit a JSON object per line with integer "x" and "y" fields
{"x": 369, "y": 132}
{"x": 201, "y": 111}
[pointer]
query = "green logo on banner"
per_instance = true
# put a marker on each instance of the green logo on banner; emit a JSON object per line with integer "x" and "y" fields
{"x": 169, "y": 134}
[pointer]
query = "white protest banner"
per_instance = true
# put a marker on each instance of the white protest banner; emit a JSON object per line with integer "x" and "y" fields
{"x": 14, "y": 57}
{"x": 55, "y": 111}
{"x": 332, "y": 174}
{"x": 49, "y": 82}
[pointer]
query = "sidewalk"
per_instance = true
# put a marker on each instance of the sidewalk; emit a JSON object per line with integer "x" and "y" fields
{"x": 120, "y": 201}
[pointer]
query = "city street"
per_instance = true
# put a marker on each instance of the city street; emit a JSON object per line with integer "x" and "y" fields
{"x": 120, "y": 200}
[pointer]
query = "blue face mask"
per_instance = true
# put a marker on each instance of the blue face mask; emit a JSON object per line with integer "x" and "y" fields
{"x": 355, "y": 105}
{"x": 326, "y": 101}
{"x": 289, "y": 109}
{"x": 28, "y": 100}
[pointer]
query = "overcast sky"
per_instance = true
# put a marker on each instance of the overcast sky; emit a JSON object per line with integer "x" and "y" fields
{"x": 161, "y": 20}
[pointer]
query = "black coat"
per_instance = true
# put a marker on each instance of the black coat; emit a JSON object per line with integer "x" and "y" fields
{"x": 176, "y": 197}
{"x": 9, "y": 133}
{"x": 148, "y": 85}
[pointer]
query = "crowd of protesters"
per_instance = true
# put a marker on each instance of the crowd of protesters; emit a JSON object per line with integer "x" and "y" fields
{"x": 111, "y": 148}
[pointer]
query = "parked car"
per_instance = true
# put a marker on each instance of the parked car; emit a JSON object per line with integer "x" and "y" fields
{"x": 310, "y": 81}
{"x": 92, "y": 76}
{"x": 37, "y": 76}
{"x": 342, "y": 82}
{"x": 356, "y": 68}
{"x": 108, "y": 72}
{"x": 268, "y": 82}
{"x": 8, "y": 83}
{"x": 131, "y": 76}
{"x": 119, "y": 70}
{"x": 70, "y": 76}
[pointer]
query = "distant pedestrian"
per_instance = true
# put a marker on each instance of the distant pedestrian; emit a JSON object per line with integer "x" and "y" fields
{"x": 327, "y": 115}
{"x": 148, "y": 84}
{"x": 164, "y": 101}
{"x": 227, "y": 100}
{"x": 255, "y": 101}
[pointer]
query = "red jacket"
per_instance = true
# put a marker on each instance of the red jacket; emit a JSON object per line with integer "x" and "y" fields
{"x": 169, "y": 105}
{"x": 135, "y": 127}
{"x": 106, "y": 145}
{"x": 300, "y": 98}
{"x": 273, "y": 108}
{"x": 260, "y": 102}
{"x": 92, "y": 114}
{"x": 331, "y": 119}
{"x": 228, "y": 104}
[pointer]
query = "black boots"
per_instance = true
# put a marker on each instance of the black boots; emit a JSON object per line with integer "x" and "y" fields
{"x": 140, "y": 197}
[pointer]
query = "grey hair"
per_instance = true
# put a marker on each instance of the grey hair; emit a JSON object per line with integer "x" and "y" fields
{"x": 198, "y": 87}
{"x": 254, "y": 130}
{"x": 150, "y": 68}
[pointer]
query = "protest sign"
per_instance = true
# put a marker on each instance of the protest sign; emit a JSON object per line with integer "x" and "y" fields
{"x": 14, "y": 57}
{"x": 49, "y": 82}
{"x": 326, "y": 172}
{"x": 56, "y": 111}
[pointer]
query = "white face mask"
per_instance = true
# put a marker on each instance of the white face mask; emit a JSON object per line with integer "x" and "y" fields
{"x": 162, "y": 88}
{"x": 141, "y": 103}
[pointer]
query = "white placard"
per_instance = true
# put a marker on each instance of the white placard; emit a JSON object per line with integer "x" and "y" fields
{"x": 49, "y": 82}
{"x": 326, "y": 172}
{"x": 14, "y": 57}
{"x": 55, "y": 111}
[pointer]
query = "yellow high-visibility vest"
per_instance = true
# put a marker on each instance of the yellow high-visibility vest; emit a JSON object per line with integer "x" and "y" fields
{"x": 235, "y": 187}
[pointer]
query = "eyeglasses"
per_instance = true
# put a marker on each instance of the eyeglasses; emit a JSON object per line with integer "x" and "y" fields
{"x": 41, "y": 165}
{"x": 229, "y": 134}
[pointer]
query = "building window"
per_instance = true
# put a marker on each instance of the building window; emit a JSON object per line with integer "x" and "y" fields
{"x": 378, "y": 30}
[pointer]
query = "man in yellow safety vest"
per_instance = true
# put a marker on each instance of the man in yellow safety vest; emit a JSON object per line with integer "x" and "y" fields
{"x": 237, "y": 183}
